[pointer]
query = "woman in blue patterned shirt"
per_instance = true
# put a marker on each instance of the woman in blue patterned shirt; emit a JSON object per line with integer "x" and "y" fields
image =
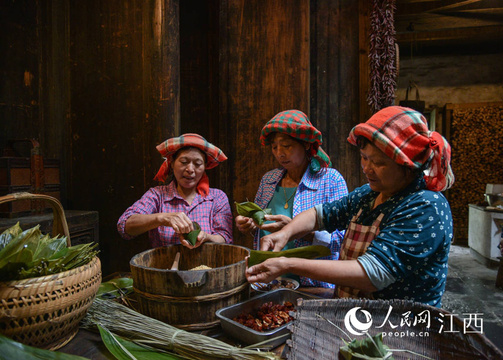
{"x": 303, "y": 180}
{"x": 398, "y": 226}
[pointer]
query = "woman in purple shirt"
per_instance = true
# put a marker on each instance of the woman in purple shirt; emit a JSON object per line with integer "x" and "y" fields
{"x": 167, "y": 211}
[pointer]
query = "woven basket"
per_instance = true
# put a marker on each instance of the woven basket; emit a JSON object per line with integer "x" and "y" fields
{"x": 45, "y": 311}
{"x": 313, "y": 337}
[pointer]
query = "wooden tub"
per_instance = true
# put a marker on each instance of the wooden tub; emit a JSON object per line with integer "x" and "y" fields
{"x": 189, "y": 299}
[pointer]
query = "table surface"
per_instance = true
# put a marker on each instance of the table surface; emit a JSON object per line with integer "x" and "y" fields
{"x": 88, "y": 344}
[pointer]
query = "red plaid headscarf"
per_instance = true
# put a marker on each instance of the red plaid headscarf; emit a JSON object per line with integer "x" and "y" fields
{"x": 296, "y": 124}
{"x": 168, "y": 148}
{"x": 403, "y": 135}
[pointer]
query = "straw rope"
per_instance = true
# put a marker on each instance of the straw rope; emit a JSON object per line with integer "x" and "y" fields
{"x": 142, "y": 329}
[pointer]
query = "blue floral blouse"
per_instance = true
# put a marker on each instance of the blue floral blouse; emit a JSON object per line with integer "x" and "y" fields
{"x": 413, "y": 242}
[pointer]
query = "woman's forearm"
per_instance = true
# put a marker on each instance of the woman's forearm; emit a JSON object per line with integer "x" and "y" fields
{"x": 340, "y": 272}
{"x": 302, "y": 224}
{"x": 215, "y": 238}
{"x": 137, "y": 224}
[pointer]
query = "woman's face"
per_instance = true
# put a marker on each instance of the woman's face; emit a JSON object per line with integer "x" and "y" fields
{"x": 289, "y": 153}
{"x": 383, "y": 174}
{"x": 188, "y": 168}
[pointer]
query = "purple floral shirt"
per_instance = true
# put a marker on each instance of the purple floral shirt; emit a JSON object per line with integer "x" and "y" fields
{"x": 212, "y": 213}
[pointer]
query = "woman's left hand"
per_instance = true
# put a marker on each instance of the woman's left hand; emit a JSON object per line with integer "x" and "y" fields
{"x": 266, "y": 271}
{"x": 201, "y": 238}
{"x": 279, "y": 222}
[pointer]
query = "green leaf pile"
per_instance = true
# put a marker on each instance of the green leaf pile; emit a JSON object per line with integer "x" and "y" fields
{"x": 192, "y": 236}
{"x": 305, "y": 252}
{"x": 29, "y": 253}
{"x": 250, "y": 209}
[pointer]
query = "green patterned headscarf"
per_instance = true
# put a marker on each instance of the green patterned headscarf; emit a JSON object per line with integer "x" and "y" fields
{"x": 296, "y": 124}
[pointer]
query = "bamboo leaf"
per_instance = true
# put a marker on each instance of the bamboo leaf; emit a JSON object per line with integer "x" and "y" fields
{"x": 250, "y": 209}
{"x": 259, "y": 216}
{"x": 245, "y": 208}
{"x": 192, "y": 236}
{"x": 50, "y": 246}
{"x": 124, "y": 349}
{"x": 114, "y": 346}
{"x": 32, "y": 254}
{"x": 304, "y": 252}
{"x": 14, "y": 350}
{"x": 114, "y": 284}
{"x": 369, "y": 348}
{"x": 9, "y": 234}
{"x": 11, "y": 250}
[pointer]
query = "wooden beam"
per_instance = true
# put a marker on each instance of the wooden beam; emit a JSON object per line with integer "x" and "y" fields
{"x": 453, "y": 6}
{"x": 407, "y": 7}
{"x": 480, "y": 32}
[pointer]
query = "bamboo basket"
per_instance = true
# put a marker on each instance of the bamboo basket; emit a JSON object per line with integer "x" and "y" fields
{"x": 446, "y": 336}
{"x": 45, "y": 311}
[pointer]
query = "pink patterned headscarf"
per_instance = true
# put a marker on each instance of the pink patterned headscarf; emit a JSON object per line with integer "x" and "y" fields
{"x": 403, "y": 135}
{"x": 168, "y": 148}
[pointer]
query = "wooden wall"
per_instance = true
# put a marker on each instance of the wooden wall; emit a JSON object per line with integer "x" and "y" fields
{"x": 124, "y": 101}
{"x": 116, "y": 78}
{"x": 264, "y": 70}
{"x": 274, "y": 56}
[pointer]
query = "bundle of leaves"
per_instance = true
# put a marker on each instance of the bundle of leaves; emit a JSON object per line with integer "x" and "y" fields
{"x": 192, "y": 236}
{"x": 250, "y": 209}
{"x": 29, "y": 253}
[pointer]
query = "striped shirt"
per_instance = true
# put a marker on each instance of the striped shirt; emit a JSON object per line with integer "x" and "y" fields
{"x": 326, "y": 185}
{"x": 212, "y": 213}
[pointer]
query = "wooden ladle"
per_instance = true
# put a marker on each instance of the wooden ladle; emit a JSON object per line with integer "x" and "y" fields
{"x": 175, "y": 262}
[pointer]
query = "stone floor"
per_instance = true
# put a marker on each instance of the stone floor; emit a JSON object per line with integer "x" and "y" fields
{"x": 471, "y": 289}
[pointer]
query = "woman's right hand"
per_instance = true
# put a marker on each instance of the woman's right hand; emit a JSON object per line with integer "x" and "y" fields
{"x": 274, "y": 241}
{"x": 266, "y": 271}
{"x": 179, "y": 221}
{"x": 245, "y": 224}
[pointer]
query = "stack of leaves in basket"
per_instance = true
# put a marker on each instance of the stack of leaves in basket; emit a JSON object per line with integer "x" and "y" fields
{"x": 29, "y": 253}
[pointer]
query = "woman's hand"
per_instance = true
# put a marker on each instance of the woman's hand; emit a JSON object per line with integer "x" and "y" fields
{"x": 245, "y": 224}
{"x": 266, "y": 271}
{"x": 202, "y": 237}
{"x": 179, "y": 221}
{"x": 274, "y": 241}
{"x": 279, "y": 222}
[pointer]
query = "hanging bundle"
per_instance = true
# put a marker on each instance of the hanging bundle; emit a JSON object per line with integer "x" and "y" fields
{"x": 382, "y": 62}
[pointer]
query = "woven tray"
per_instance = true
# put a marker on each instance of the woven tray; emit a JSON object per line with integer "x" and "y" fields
{"x": 45, "y": 311}
{"x": 313, "y": 337}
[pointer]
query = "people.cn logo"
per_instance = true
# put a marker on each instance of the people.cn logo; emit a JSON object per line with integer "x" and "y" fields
{"x": 355, "y": 326}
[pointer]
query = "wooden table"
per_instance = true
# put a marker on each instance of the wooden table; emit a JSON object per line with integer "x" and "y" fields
{"x": 88, "y": 344}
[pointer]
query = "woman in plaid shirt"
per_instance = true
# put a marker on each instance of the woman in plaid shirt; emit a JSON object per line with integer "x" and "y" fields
{"x": 167, "y": 211}
{"x": 303, "y": 180}
{"x": 398, "y": 226}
